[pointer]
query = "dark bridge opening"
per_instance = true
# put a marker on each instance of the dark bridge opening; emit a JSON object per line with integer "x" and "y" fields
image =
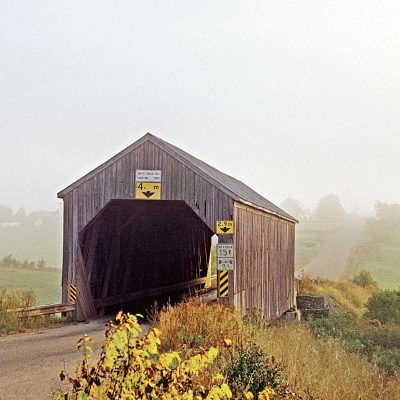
{"x": 138, "y": 248}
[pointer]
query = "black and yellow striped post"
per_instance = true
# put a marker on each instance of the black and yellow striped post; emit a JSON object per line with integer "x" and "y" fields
{"x": 72, "y": 297}
{"x": 73, "y": 292}
{"x": 223, "y": 288}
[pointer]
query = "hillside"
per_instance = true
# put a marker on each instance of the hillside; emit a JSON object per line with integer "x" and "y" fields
{"x": 378, "y": 248}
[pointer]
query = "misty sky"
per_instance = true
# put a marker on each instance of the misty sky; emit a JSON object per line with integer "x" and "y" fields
{"x": 295, "y": 98}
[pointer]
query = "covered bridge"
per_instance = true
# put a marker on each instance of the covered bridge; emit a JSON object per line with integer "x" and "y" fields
{"x": 142, "y": 222}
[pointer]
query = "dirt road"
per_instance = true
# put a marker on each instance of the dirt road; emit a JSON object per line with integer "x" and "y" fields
{"x": 330, "y": 261}
{"x": 30, "y": 362}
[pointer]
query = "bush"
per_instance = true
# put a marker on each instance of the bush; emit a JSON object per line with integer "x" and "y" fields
{"x": 194, "y": 324}
{"x": 249, "y": 369}
{"x": 364, "y": 279}
{"x": 384, "y": 306}
{"x": 306, "y": 284}
{"x": 338, "y": 325}
{"x": 11, "y": 299}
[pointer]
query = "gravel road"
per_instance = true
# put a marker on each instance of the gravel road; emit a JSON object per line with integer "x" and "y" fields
{"x": 331, "y": 260}
{"x": 30, "y": 363}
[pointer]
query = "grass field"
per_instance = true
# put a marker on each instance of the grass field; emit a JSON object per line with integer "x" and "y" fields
{"x": 377, "y": 255}
{"x": 47, "y": 285}
{"x": 310, "y": 236}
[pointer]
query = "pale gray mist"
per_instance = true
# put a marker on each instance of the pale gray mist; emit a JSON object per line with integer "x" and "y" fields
{"x": 295, "y": 98}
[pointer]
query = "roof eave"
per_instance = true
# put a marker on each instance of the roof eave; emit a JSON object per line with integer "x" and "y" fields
{"x": 248, "y": 203}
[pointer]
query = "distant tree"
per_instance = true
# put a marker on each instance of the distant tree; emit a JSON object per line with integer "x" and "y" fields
{"x": 41, "y": 264}
{"x": 364, "y": 279}
{"x": 329, "y": 209}
{"x": 7, "y": 261}
{"x": 6, "y": 213}
{"x": 294, "y": 208}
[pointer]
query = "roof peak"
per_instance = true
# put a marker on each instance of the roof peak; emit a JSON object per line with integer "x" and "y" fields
{"x": 228, "y": 184}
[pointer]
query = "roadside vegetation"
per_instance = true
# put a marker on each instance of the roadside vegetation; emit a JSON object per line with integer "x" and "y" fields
{"x": 10, "y": 319}
{"x": 197, "y": 351}
{"x": 363, "y": 319}
{"x": 378, "y": 247}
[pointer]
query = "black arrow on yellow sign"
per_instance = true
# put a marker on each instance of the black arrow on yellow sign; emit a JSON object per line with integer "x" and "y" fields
{"x": 148, "y": 193}
{"x": 225, "y": 229}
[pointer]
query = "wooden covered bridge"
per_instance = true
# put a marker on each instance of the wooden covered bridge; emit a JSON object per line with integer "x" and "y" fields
{"x": 142, "y": 222}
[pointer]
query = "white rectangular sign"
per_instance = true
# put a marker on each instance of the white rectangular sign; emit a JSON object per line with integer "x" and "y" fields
{"x": 148, "y": 175}
{"x": 225, "y": 263}
{"x": 225, "y": 257}
{"x": 225, "y": 250}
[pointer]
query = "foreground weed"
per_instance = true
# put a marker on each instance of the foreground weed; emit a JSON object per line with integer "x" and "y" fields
{"x": 130, "y": 367}
{"x": 324, "y": 367}
{"x": 194, "y": 324}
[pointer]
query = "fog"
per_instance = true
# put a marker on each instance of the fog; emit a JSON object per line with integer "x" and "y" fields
{"x": 295, "y": 98}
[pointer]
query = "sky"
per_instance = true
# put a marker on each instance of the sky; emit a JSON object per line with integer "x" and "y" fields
{"x": 295, "y": 98}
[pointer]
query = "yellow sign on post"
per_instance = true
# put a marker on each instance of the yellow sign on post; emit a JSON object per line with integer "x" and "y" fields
{"x": 224, "y": 227}
{"x": 223, "y": 283}
{"x": 73, "y": 293}
{"x": 148, "y": 190}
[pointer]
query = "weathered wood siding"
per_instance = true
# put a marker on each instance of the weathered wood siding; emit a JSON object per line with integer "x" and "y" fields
{"x": 117, "y": 181}
{"x": 264, "y": 274}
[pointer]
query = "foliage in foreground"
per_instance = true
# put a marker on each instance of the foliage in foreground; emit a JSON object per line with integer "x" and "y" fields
{"x": 131, "y": 367}
{"x": 259, "y": 354}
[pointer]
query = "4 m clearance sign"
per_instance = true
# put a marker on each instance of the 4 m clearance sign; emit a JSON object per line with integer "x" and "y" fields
{"x": 148, "y": 190}
{"x": 148, "y": 185}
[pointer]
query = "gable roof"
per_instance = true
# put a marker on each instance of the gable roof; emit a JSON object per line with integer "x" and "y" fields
{"x": 231, "y": 186}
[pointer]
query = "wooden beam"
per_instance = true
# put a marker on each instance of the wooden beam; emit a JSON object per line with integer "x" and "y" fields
{"x": 92, "y": 250}
{"x": 125, "y": 298}
{"x": 112, "y": 265}
{"x": 43, "y": 310}
{"x": 85, "y": 306}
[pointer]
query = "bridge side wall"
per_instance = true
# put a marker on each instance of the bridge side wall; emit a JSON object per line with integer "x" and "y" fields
{"x": 264, "y": 274}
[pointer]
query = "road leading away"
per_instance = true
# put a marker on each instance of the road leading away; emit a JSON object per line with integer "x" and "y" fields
{"x": 30, "y": 363}
{"x": 330, "y": 262}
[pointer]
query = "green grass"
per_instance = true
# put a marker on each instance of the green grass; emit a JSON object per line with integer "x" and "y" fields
{"x": 310, "y": 236}
{"x": 380, "y": 258}
{"x": 46, "y": 285}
